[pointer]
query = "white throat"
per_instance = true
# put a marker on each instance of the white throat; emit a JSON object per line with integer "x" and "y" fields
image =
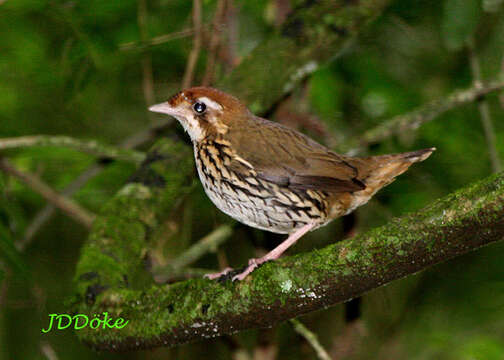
{"x": 191, "y": 126}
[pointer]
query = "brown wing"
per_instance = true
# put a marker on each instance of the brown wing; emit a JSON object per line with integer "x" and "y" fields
{"x": 290, "y": 159}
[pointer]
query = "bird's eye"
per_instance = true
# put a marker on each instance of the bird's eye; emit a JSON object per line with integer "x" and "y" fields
{"x": 199, "y": 107}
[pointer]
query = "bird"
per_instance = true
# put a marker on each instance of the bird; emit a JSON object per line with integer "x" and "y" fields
{"x": 271, "y": 177}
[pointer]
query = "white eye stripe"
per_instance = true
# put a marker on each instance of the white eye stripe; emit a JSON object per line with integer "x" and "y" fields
{"x": 210, "y": 103}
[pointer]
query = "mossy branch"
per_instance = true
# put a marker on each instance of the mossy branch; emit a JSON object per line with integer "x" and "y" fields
{"x": 92, "y": 147}
{"x": 118, "y": 241}
{"x": 199, "y": 308}
{"x": 314, "y": 33}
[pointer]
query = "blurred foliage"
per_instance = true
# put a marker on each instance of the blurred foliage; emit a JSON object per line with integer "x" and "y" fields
{"x": 62, "y": 72}
{"x": 459, "y": 21}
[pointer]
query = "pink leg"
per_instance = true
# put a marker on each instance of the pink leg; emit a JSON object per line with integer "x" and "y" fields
{"x": 276, "y": 252}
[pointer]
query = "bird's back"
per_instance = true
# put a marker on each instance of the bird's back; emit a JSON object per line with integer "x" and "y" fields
{"x": 272, "y": 177}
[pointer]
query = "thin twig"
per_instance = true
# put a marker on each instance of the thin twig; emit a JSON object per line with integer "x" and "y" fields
{"x": 484, "y": 110}
{"x": 193, "y": 56}
{"x": 501, "y": 76}
{"x": 282, "y": 10}
{"x": 92, "y": 147}
{"x": 4, "y": 284}
{"x": 46, "y": 213}
{"x": 48, "y": 210}
{"x": 220, "y": 12}
{"x": 66, "y": 205}
{"x": 228, "y": 53}
{"x": 48, "y": 351}
{"x": 312, "y": 339}
{"x": 147, "y": 80}
{"x": 209, "y": 243}
{"x": 158, "y": 40}
{"x": 419, "y": 116}
{"x": 177, "y": 269}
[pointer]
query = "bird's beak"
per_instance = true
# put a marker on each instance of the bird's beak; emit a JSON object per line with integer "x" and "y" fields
{"x": 164, "y": 108}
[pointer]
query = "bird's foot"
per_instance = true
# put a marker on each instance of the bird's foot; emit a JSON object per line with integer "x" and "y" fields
{"x": 237, "y": 274}
{"x": 252, "y": 265}
{"x": 222, "y": 273}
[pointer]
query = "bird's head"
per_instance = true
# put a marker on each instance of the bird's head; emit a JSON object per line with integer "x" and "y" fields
{"x": 202, "y": 111}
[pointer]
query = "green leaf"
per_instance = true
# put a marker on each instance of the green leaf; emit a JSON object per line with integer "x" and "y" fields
{"x": 10, "y": 255}
{"x": 460, "y": 18}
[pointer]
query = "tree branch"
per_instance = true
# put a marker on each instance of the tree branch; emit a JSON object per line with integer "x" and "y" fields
{"x": 214, "y": 42}
{"x": 484, "y": 109}
{"x": 45, "y": 214}
{"x": 48, "y": 210}
{"x": 176, "y": 269}
{"x": 209, "y": 243}
{"x": 311, "y": 338}
{"x": 280, "y": 290}
{"x": 419, "y": 116}
{"x": 147, "y": 80}
{"x": 159, "y": 40}
{"x": 69, "y": 207}
{"x": 92, "y": 147}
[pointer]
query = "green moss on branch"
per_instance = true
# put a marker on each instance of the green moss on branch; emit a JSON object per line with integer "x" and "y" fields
{"x": 115, "y": 250}
{"x": 200, "y": 308}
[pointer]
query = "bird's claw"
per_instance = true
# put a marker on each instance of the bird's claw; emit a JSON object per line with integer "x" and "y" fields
{"x": 238, "y": 274}
{"x": 222, "y": 273}
{"x": 251, "y": 267}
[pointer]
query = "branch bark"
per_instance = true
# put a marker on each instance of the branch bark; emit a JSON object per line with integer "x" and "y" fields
{"x": 199, "y": 308}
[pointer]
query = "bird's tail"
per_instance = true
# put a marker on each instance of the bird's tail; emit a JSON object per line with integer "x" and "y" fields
{"x": 383, "y": 169}
{"x": 387, "y": 167}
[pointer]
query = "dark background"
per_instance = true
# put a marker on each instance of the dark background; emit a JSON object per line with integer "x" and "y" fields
{"x": 63, "y": 71}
